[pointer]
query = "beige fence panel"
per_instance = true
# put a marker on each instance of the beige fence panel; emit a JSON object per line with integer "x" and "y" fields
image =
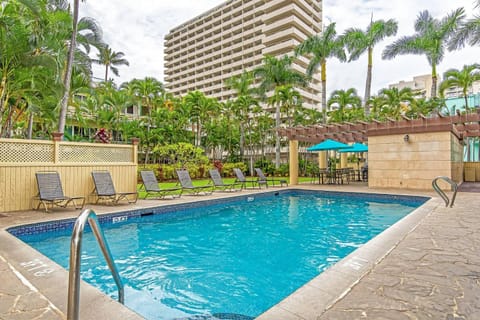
{"x": 20, "y": 159}
{"x": 472, "y": 171}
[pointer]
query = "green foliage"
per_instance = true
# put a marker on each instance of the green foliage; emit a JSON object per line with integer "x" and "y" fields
{"x": 283, "y": 170}
{"x": 267, "y": 166}
{"x": 227, "y": 170}
{"x": 182, "y": 154}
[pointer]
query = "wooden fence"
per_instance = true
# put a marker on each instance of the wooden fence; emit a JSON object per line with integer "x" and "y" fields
{"x": 471, "y": 171}
{"x": 20, "y": 159}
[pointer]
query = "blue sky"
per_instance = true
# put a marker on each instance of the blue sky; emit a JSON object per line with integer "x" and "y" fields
{"x": 138, "y": 28}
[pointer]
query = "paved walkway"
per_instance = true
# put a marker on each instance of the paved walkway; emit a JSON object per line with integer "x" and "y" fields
{"x": 433, "y": 272}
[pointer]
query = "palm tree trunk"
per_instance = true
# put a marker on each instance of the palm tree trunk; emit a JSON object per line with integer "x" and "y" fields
{"x": 242, "y": 140}
{"x": 465, "y": 96}
{"x": 434, "y": 81}
{"x": 277, "y": 136}
{"x": 68, "y": 73}
{"x": 368, "y": 84}
{"x": 324, "y": 89}
{"x": 30, "y": 126}
{"x": 106, "y": 72}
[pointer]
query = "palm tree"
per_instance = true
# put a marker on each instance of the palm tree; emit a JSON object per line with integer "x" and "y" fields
{"x": 358, "y": 41}
{"x": 275, "y": 73}
{"x": 110, "y": 59}
{"x": 322, "y": 47}
{"x": 468, "y": 32}
{"x": 343, "y": 100}
{"x": 200, "y": 107}
{"x": 395, "y": 101}
{"x": 68, "y": 70}
{"x": 430, "y": 39}
{"x": 242, "y": 84}
{"x": 463, "y": 79}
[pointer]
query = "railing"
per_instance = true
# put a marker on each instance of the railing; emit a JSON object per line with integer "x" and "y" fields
{"x": 441, "y": 193}
{"x": 89, "y": 215}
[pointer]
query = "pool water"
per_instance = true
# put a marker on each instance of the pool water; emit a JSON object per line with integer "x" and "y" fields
{"x": 237, "y": 258}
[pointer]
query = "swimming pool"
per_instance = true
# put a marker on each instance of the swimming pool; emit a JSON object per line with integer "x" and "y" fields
{"x": 238, "y": 256}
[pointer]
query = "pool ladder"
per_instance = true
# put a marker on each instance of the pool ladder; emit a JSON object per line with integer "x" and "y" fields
{"x": 73, "y": 307}
{"x": 440, "y": 191}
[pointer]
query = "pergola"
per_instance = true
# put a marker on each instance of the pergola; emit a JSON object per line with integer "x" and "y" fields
{"x": 462, "y": 126}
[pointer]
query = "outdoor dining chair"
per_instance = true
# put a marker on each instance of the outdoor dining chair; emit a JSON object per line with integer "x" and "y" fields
{"x": 105, "y": 189}
{"x": 50, "y": 191}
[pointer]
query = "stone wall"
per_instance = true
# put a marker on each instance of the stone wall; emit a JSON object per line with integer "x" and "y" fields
{"x": 396, "y": 163}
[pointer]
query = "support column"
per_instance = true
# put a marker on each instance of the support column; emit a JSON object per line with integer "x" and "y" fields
{"x": 322, "y": 159}
{"x": 293, "y": 161}
{"x": 343, "y": 160}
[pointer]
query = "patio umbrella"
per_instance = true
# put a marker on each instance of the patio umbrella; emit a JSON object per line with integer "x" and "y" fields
{"x": 356, "y": 147}
{"x": 328, "y": 145}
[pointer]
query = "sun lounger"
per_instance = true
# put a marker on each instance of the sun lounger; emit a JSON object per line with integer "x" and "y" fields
{"x": 187, "y": 185}
{"x": 50, "y": 191}
{"x": 105, "y": 190}
{"x": 150, "y": 184}
{"x": 263, "y": 178}
{"x": 220, "y": 185}
{"x": 241, "y": 179}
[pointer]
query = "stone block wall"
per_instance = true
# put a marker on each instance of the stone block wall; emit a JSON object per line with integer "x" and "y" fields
{"x": 413, "y": 164}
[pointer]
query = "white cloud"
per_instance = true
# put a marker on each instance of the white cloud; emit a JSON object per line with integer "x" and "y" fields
{"x": 137, "y": 28}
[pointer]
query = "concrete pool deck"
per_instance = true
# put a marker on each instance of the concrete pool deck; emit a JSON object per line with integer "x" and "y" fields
{"x": 427, "y": 266}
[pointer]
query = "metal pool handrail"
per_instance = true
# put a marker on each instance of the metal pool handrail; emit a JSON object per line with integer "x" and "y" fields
{"x": 89, "y": 215}
{"x": 441, "y": 193}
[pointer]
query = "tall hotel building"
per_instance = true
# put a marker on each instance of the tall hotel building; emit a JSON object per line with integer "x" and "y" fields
{"x": 202, "y": 53}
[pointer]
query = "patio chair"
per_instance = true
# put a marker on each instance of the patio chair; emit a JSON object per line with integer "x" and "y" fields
{"x": 220, "y": 185}
{"x": 263, "y": 178}
{"x": 105, "y": 190}
{"x": 150, "y": 185}
{"x": 241, "y": 179}
{"x": 50, "y": 191}
{"x": 187, "y": 185}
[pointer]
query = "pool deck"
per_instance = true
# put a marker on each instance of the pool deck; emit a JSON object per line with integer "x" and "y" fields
{"x": 426, "y": 266}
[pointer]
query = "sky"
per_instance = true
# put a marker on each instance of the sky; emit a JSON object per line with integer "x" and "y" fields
{"x": 137, "y": 28}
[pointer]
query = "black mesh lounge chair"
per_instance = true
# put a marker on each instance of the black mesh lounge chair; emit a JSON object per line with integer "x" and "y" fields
{"x": 105, "y": 190}
{"x": 187, "y": 185}
{"x": 150, "y": 184}
{"x": 263, "y": 178}
{"x": 241, "y": 179}
{"x": 220, "y": 185}
{"x": 50, "y": 191}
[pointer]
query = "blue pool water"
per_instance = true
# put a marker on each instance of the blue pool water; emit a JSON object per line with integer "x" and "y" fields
{"x": 239, "y": 257}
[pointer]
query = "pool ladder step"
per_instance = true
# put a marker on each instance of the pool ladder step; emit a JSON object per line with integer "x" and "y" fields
{"x": 73, "y": 307}
{"x": 441, "y": 193}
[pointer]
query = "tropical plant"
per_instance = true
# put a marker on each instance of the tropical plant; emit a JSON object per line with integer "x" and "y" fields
{"x": 274, "y": 73}
{"x": 68, "y": 70}
{"x": 395, "y": 102}
{"x": 200, "y": 109}
{"x": 463, "y": 79}
{"x": 347, "y": 103}
{"x": 110, "y": 59}
{"x": 321, "y": 47}
{"x": 468, "y": 32}
{"x": 358, "y": 41}
{"x": 431, "y": 39}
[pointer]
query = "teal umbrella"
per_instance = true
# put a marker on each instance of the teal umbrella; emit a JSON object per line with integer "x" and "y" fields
{"x": 356, "y": 147}
{"x": 328, "y": 145}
